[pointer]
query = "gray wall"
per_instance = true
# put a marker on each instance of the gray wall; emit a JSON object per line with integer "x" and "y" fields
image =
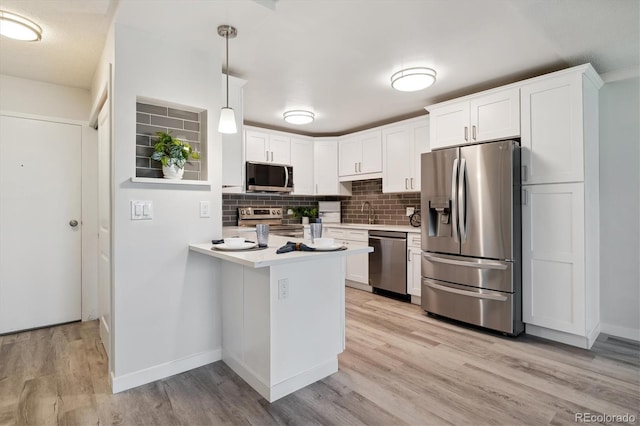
{"x": 620, "y": 208}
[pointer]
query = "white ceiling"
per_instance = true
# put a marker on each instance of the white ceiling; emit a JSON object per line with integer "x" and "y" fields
{"x": 335, "y": 57}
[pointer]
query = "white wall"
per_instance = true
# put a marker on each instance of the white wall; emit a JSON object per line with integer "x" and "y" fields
{"x": 35, "y": 99}
{"x": 166, "y": 312}
{"x": 620, "y": 208}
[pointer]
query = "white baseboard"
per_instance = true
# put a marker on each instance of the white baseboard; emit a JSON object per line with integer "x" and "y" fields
{"x": 584, "y": 342}
{"x": 619, "y": 331}
{"x": 359, "y": 286}
{"x": 162, "y": 371}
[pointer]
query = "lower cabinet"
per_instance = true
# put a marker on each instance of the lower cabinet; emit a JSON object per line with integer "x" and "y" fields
{"x": 357, "y": 266}
{"x": 560, "y": 264}
{"x": 414, "y": 275}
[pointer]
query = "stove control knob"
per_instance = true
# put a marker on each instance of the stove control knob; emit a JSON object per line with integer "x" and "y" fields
{"x": 273, "y": 212}
{"x": 278, "y": 212}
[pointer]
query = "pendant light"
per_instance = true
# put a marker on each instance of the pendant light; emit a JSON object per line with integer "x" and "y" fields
{"x": 18, "y": 27}
{"x": 227, "y": 117}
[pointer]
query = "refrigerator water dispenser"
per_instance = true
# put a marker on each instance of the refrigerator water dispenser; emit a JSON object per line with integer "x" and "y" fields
{"x": 439, "y": 217}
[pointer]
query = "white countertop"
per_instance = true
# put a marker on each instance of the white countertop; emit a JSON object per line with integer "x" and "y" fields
{"x": 374, "y": 227}
{"x": 269, "y": 257}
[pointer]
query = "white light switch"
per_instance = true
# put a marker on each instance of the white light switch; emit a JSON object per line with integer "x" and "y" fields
{"x": 205, "y": 208}
{"x": 141, "y": 210}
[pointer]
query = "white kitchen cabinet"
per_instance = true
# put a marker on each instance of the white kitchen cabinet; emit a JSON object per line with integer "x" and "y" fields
{"x": 232, "y": 160}
{"x": 483, "y": 117}
{"x": 554, "y": 127}
{"x": 357, "y": 266}
{"x": 267, "y": 147}
{"x": 302, "y": 161}
{"x": 325, "y": 168}
{"x": 414, "y": 270}
{"x": 360, "y": 156}
{"x": 402, "y": 146}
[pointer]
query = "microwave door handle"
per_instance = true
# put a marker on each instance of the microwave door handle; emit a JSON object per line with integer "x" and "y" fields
{"x": 454, "y": 200}
{"x": 286, "y": 177}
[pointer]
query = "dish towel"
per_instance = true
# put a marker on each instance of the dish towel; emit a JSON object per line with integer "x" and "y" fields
{"x": 221, "y": 241}
{"x": 291, "y": 246}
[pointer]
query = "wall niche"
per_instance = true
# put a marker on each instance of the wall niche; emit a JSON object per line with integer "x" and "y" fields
{"x": 186, "y": 123}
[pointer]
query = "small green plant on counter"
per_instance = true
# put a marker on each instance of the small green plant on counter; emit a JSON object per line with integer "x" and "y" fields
{"x": 170, "y": 151}
{"x": 310, "y": 212}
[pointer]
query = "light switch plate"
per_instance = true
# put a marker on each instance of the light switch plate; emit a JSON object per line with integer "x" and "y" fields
{"x": 141, "y": 210}
{"x": 205, "y": 209}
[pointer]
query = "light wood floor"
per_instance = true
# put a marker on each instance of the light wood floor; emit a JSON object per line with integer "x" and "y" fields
{"x": 400, "y": 367}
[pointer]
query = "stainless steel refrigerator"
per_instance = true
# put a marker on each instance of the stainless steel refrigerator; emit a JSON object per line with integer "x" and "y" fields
{"x": 471, "y": 235}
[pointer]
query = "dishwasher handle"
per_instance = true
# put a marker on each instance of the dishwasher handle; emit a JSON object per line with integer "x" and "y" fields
{"x": 375, "y": 237}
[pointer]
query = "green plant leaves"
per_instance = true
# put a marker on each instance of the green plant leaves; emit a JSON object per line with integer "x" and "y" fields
{"x": 169, "y": 151}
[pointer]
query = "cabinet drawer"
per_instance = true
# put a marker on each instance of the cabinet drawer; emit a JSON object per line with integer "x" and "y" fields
{"x": 336, "y": 233}
{"x": 414, "y": 240}
{"x": 357, "y": 235}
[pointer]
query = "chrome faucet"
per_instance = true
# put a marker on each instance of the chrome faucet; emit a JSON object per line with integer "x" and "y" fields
{"x": 370, "y": 213}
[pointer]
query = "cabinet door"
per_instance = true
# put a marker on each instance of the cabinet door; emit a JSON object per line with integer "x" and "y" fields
{"x": 371, "y": 153}
{"x": 420, "y": 133}
{"x": 397, "y": 159}
{"x": 349, "y": 155}
{"x": 256, "y": 146}
{"x": 302, "y": 162}
{"x": 495, "y": 116}
{"x": 449, "y": 125}
{"x": 552, "y": 138}
{"x": 553, "y": 280}
{"x": 325, "y": 167}
{"x": 280, "y": 149}
{"x": 414, "y": 275}
{"x": 357, "y": 268}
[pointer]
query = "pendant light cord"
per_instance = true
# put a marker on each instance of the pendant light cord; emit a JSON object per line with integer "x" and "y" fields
{"x": 226, "y": 37}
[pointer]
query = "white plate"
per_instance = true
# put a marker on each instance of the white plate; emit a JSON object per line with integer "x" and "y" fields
{"x": 332, "y": 247}
{"x": 244, "y": 246}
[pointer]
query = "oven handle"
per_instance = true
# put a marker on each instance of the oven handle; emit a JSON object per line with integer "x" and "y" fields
{"x": 481, "y": 264}
{"x": 465, "y": 292}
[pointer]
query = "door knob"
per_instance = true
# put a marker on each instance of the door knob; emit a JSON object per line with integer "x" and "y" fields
{"x": 73, "y": 223}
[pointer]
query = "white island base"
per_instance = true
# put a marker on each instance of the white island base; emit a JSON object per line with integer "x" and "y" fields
{"x": 283, "y": 316}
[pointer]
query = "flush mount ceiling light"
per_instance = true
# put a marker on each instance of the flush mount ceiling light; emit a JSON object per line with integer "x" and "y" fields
{"x": 18, "y": 27}
{"x": 227, "y": 122}
{"x": 299, "y": 116}
{"x": 412, "y": 79}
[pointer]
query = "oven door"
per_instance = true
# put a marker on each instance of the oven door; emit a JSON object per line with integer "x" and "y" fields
{"x": 268, "y": 177}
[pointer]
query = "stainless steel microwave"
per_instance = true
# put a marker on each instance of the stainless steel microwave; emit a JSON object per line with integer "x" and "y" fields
{"x": 268, "y": 177}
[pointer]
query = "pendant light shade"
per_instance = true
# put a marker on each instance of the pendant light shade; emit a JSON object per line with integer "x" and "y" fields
{"x": 413, "y": 79}
{"x": 18, "y": 27}
{"x": 298, "y": 117}
{"x": 227, "y": 122}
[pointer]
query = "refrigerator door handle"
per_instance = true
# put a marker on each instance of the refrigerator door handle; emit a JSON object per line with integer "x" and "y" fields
{"x": 466, "y": 293}
{"x": 480, "y": 264}
{"x": 462, "y": 199}
{"x": 454, "y": 201}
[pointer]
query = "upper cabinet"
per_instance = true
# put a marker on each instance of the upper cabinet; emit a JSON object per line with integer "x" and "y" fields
{"x": 402, "y": 145}
{"x": 325, "y": 168}
{"x": 554, "y": 131}
{"x": 360, "y": 156}
{"x": 233, "y": 169}
{"x": 478, "y": 118}
{"x": 267, "y": 147}
{"x": 302, "y": 162}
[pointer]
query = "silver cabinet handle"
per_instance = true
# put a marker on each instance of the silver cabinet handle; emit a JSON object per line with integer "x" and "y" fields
{"x": 359, "y": 167}
{"x": 408, "y": 256}
{"x": 406, "y": 183}
{"x": 523, "y": 175}
{"x": 272, "y": 156}
{"x": 355, "y": 167}
{"x": 267, "y": 154}
{"x": 493, "y": 296}
{"x": 466, "y": 133}
{"x": 473, "y": 132}
{"x": 73, "y": 223}
{"x": 411, "y": 183}
{"x": 316, "y": 188}
{"x": 478, "y": 264}
{"x": 524, "y": 197}
{"x": 454, "y": 200}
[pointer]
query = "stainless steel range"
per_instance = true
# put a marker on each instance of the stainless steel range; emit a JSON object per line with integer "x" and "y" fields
{"x": 272, "y": 216}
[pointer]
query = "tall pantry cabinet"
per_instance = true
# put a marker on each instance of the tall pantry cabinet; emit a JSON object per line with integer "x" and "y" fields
{"x": 560, "y": 211}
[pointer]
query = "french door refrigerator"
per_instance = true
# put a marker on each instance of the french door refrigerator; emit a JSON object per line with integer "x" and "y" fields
{"x": 471, "y": 235}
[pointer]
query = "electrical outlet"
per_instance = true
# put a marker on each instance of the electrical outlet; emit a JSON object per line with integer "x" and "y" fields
{"x": 283, "y": 288}
{"x": 410, "y": 211}
{"x": 205, "y": 209}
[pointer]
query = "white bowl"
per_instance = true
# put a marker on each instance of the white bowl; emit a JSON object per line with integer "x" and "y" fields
{"x": 323, "y": 242}
{"x": 234, "y": 242}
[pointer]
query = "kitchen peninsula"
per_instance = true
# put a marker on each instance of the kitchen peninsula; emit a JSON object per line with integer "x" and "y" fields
{"x": 283, "y": 315}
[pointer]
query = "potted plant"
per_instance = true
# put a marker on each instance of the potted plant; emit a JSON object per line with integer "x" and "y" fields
{"x": 173, "y": 154}
{"x": 305, "y": 212}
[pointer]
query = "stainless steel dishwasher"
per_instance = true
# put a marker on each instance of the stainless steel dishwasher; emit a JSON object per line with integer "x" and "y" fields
{"x": 388, "y": 262}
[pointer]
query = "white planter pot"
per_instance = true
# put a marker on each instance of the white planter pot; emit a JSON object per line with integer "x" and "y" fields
{"x": 172, "y": 172}
{"x": 305, "y": 220}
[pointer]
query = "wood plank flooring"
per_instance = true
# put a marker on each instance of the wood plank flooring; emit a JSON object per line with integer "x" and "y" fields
{"x": 400, "y": 367}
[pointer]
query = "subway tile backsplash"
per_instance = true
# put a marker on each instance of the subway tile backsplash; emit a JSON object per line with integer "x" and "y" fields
{"x": 185, "y": 125}
{"x": 389, "y": 209}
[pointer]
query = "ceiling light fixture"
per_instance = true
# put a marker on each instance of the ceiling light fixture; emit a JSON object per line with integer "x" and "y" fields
{"x": 227, "y": 122}
{"x": 412, "y": 79}
{"x": 299, "y": 116}
{"x": 18, "y": 27}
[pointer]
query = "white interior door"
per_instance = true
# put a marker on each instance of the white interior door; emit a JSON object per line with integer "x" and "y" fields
{"x": 104, "y": 226}
{"x": 40, "y": 230}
